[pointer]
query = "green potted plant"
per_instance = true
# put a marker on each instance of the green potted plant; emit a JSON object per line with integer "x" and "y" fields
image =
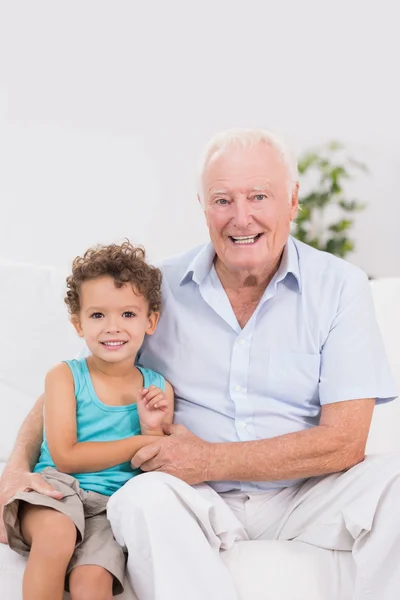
{"x": 325, "y": 218}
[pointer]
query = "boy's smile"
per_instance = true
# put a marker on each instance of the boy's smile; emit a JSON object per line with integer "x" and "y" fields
{"x": 114, "y": 344}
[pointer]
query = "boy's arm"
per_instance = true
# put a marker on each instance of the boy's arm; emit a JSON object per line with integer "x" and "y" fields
{"x": 155, "y": 409}
{"x": 69, "y": 455}
{"x": 169, "y": 394}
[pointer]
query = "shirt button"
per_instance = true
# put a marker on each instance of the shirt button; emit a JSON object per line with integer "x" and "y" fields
{"x": 241, "y": 342}
{"x": 237, "y": 388}
{"x": 244, "y": 424}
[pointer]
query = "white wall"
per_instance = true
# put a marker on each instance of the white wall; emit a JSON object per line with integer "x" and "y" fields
{"x": 105, "y": 106}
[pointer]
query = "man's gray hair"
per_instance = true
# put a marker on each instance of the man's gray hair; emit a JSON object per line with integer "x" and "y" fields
{"x": 246, "y": 138}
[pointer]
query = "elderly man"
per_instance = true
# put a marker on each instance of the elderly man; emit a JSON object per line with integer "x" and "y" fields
{"x": 276, "y": 361}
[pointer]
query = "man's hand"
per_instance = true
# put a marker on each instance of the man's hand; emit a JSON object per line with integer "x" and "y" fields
{"x": 180, "y": 453}
{"x": 21, "y": 481}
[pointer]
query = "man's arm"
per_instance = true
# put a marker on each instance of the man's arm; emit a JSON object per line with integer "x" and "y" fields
{"x": 336, "y": 444}
{"x": 30, "y": 436}
{"x": 17, "y": 474}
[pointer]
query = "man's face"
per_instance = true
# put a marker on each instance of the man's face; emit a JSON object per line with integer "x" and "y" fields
{"x": 247, "y": 208}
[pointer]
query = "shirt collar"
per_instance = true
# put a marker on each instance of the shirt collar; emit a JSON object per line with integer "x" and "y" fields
{"x": 200, "y": 266}
{"x": 202, "y": 263}
{"x": 289, "y": 264}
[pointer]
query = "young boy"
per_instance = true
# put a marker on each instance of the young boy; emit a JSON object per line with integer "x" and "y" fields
{"x": 98, "y": 412}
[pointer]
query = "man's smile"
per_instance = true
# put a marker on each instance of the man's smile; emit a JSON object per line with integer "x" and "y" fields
{"x": 245, "y": 239}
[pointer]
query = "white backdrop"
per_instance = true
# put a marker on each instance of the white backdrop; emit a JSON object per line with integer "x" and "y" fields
{"x": 105, "y": 107}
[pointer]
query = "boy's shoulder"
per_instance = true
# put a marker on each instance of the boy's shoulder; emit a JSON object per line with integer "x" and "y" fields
{"x": 72, "y": 374}
{"x": 151, "y": 377}
{"x": 59, "y": 374}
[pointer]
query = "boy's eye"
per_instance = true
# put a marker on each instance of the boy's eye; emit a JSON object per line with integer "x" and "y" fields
{"x": 97, "y": 315}
{"x": 128, "y": 314}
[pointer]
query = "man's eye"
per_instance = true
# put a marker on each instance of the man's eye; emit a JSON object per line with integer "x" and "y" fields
{"x": 97, "y": 315}
{"x": 222, "y": 201}
{"x": 128, "y": 314}
{"x": 260, "y": 197}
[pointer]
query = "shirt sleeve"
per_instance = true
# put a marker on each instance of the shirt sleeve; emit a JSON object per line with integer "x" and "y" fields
{"x": 354, "y": 364}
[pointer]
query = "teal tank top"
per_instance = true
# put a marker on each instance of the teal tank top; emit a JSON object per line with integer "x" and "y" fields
{"x": 99, "y": 422}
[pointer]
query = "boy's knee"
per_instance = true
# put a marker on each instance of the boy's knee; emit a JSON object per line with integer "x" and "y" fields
{"x": 90, "y": 582}
{"x": 50, "y": 532}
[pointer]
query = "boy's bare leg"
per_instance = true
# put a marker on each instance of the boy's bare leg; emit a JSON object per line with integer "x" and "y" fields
{"x": 90, "y": 582}
{"x": 52, "y": 537}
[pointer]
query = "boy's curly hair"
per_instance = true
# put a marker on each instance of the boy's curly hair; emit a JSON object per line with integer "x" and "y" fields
{"x": 125, "y": 263}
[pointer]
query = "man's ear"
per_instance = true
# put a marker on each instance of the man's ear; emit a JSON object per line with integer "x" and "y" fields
{"x": 200, "y": 201}
{"x": 77, "y": 325}
{"x": 153, "y": 320}
{"x": 294, "y": 204}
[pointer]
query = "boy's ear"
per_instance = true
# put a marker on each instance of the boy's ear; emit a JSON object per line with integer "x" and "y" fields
{"x": 77, "y": 325}
{"x": 153, "y": 320}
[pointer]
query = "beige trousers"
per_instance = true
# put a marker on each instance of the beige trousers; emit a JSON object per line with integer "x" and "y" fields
{"x": 174, "y": 533}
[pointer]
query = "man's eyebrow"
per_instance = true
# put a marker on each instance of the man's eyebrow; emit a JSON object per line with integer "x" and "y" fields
{"x": 255, "y": 188}
{"x": 217, "y": 191}
{"x": 260, "y": 188}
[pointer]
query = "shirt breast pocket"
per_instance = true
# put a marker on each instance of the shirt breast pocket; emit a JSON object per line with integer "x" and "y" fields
{"x": 293, "y": 377}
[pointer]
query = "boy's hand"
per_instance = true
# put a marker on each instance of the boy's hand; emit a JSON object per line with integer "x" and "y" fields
{"x": 152, "y": 408}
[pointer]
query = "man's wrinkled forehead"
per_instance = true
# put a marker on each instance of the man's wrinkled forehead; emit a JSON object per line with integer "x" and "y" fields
{"x": 257, "y": 167}
{"x": 214, "y": 192}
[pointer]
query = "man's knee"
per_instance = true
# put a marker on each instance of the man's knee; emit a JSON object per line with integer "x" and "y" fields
{"x": 146, "y": 491}
{"x": 143, "y": 500}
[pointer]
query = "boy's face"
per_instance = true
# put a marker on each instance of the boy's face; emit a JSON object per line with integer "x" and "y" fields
{"x": 113, "y": 320}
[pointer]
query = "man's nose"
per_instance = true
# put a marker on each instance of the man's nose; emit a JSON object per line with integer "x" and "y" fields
{"x": 242, "y": 214}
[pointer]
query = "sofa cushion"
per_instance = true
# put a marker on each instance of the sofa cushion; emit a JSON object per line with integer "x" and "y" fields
{"x": 261, "y": 570}
{"x": 272, "y": 570}
{"x": 385, "y": 428}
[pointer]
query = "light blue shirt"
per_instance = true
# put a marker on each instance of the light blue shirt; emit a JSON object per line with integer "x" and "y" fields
{"x": 312, "y": 340}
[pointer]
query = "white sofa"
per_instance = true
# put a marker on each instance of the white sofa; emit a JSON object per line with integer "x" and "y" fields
{"x": 35, "y": 334}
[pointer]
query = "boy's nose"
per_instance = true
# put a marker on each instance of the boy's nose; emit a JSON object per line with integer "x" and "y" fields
{"x": 113, "y": 330}
{"x": 113, "y": 326}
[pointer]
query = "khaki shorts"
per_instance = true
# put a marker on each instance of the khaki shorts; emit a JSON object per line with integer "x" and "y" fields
{"x": 87, "y": 510}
